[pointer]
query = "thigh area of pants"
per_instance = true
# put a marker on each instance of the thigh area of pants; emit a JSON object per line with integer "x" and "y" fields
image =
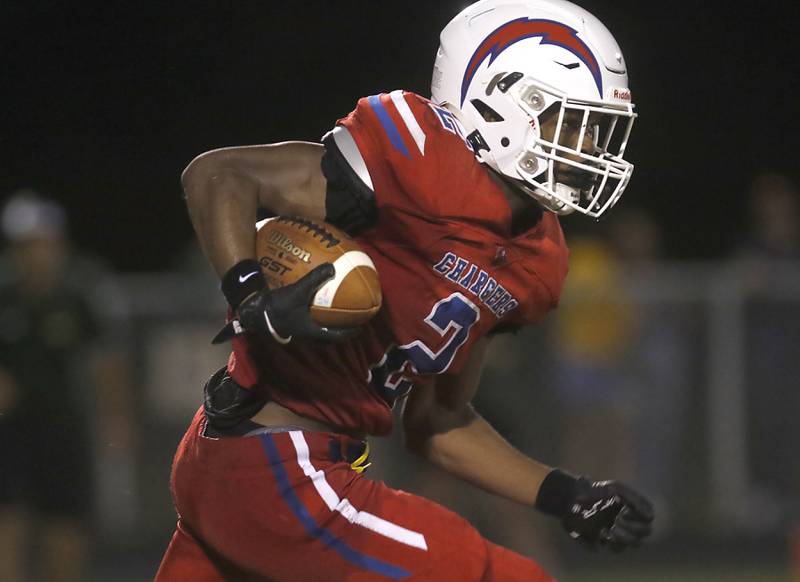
{"x": 287, "y": 511}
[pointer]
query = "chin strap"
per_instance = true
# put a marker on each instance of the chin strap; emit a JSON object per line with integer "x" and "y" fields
{"x": 569, "y": 193}
{"x": 547, "y": 200}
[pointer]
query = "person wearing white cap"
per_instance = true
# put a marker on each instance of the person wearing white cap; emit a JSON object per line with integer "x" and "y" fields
{"x": 46, "y": 324}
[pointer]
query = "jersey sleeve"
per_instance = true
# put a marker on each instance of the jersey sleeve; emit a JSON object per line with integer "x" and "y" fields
{"x": 415, "y": 157}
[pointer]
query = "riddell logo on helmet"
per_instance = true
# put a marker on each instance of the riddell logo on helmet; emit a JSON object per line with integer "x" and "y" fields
{"x": 621, "y": 94}
{"x": 284, "y": 242}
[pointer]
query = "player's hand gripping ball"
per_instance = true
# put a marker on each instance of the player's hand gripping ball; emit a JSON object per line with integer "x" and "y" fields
{"x": 288, "y": 247}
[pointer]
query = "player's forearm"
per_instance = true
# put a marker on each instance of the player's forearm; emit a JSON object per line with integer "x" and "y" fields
{"x": 223, "y": 207}
{"x": 477, "y": 453}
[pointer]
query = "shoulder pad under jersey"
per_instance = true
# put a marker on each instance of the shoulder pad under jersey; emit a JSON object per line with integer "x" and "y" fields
{"x": 340, "y": 141}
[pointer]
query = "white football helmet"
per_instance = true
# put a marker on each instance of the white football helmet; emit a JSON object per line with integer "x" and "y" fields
{"x": 502, "y": 64}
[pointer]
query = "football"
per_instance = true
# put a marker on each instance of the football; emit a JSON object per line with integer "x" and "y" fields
{"x": 288, "y": 247}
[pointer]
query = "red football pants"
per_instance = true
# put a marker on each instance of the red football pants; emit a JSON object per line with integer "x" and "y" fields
{"x": 276, "y": 507}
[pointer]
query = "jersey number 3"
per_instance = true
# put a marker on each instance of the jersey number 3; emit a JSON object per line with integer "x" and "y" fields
{"x": 452, "y": 318}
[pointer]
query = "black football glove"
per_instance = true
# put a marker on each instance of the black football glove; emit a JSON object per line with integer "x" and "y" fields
{"x": 597, "y": 513}
{"x": 284, "y": 312}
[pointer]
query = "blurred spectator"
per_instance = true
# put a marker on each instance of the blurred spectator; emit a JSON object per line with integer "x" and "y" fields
{"x": 48, "y": 323}
{"x": 592, "y": 333}
{"x": 656, "y": 367}
{"x": 516, "y": 399}
{"x": 775, "y": 225}
{"x": 620, "y": 365}
{"x": 770, "y": 257}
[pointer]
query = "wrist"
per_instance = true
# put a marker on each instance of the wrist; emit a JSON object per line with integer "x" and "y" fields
{"x": 241, "y": 280}
{"x": 557, "y": 493}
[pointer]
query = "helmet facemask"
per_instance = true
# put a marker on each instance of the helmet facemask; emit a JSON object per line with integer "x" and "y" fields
{"x": 577, "y": 163}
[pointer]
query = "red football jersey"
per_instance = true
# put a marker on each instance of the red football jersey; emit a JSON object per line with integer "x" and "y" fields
{"x": 449, "y": 268}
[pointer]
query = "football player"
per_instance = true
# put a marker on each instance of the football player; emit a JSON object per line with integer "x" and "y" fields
{"x": 456, "y": 200}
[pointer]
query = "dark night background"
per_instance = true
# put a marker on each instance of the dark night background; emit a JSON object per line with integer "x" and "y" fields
{"x": 104, "y": 105}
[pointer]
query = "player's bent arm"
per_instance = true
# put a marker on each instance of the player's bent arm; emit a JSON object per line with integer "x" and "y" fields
{"x": 224, "y": 190}
{"x": 225, "y": 187}
{"x": 441, "y": 425}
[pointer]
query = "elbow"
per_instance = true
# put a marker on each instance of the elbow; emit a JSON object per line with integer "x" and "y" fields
{"x": 417, "y": 445}
{"x": 416, "y": 437}
{"x": 426, "y": 445}
{"x": 220, "y": 171}
{"x": 189, "y": 172}
{"x": 199, "y": 170}
{"x": 214, "y": 178}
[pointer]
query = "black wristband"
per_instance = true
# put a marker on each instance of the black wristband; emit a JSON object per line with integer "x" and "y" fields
{"x": 557, "y": 493}
{"x": 244, "y": 278}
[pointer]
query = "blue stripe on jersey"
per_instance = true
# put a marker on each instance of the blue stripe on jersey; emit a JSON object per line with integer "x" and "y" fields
{"x": 388, "y": 124}
{"x": 311, "y": 526}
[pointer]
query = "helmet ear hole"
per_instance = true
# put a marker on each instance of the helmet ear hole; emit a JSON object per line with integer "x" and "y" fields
{"x": 489, "y": 115}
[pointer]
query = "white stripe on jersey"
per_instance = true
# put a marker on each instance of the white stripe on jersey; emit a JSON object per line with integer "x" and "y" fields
{"x": 408, "y": 117}
{"x": 343, "y": 506}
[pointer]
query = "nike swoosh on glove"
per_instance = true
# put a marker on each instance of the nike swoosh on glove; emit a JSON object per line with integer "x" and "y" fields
{"x": 284, "y": 313}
